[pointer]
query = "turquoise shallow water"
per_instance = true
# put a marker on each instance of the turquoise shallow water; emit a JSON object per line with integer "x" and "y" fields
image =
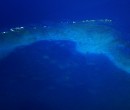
{"x": 74, "y": 65}
{"x": 90, "y": 36}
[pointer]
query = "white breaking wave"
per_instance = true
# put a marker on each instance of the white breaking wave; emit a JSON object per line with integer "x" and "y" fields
{"x": 90, "y": 36}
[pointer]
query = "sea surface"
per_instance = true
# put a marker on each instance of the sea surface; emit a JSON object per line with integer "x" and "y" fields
{"x": 64, "y": 55}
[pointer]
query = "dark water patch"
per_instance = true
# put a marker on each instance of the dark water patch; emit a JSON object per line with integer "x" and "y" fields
{"x": 53, "y": 76}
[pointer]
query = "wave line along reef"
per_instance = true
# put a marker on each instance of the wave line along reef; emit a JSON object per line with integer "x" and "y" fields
{"x": 90, "y": 36}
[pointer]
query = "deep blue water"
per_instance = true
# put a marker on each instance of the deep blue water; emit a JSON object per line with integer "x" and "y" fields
{"x": 23, "y": 12}
{"x": 53, "y": 75}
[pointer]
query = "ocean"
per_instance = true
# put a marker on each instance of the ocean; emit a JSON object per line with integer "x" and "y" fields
{"x": 64, "y": 55}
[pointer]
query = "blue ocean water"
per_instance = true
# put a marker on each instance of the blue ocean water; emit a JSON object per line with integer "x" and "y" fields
{"x": 53, "y": 75}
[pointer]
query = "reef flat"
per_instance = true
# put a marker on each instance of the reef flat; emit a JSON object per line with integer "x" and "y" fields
{"x": 90, "y": 36}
